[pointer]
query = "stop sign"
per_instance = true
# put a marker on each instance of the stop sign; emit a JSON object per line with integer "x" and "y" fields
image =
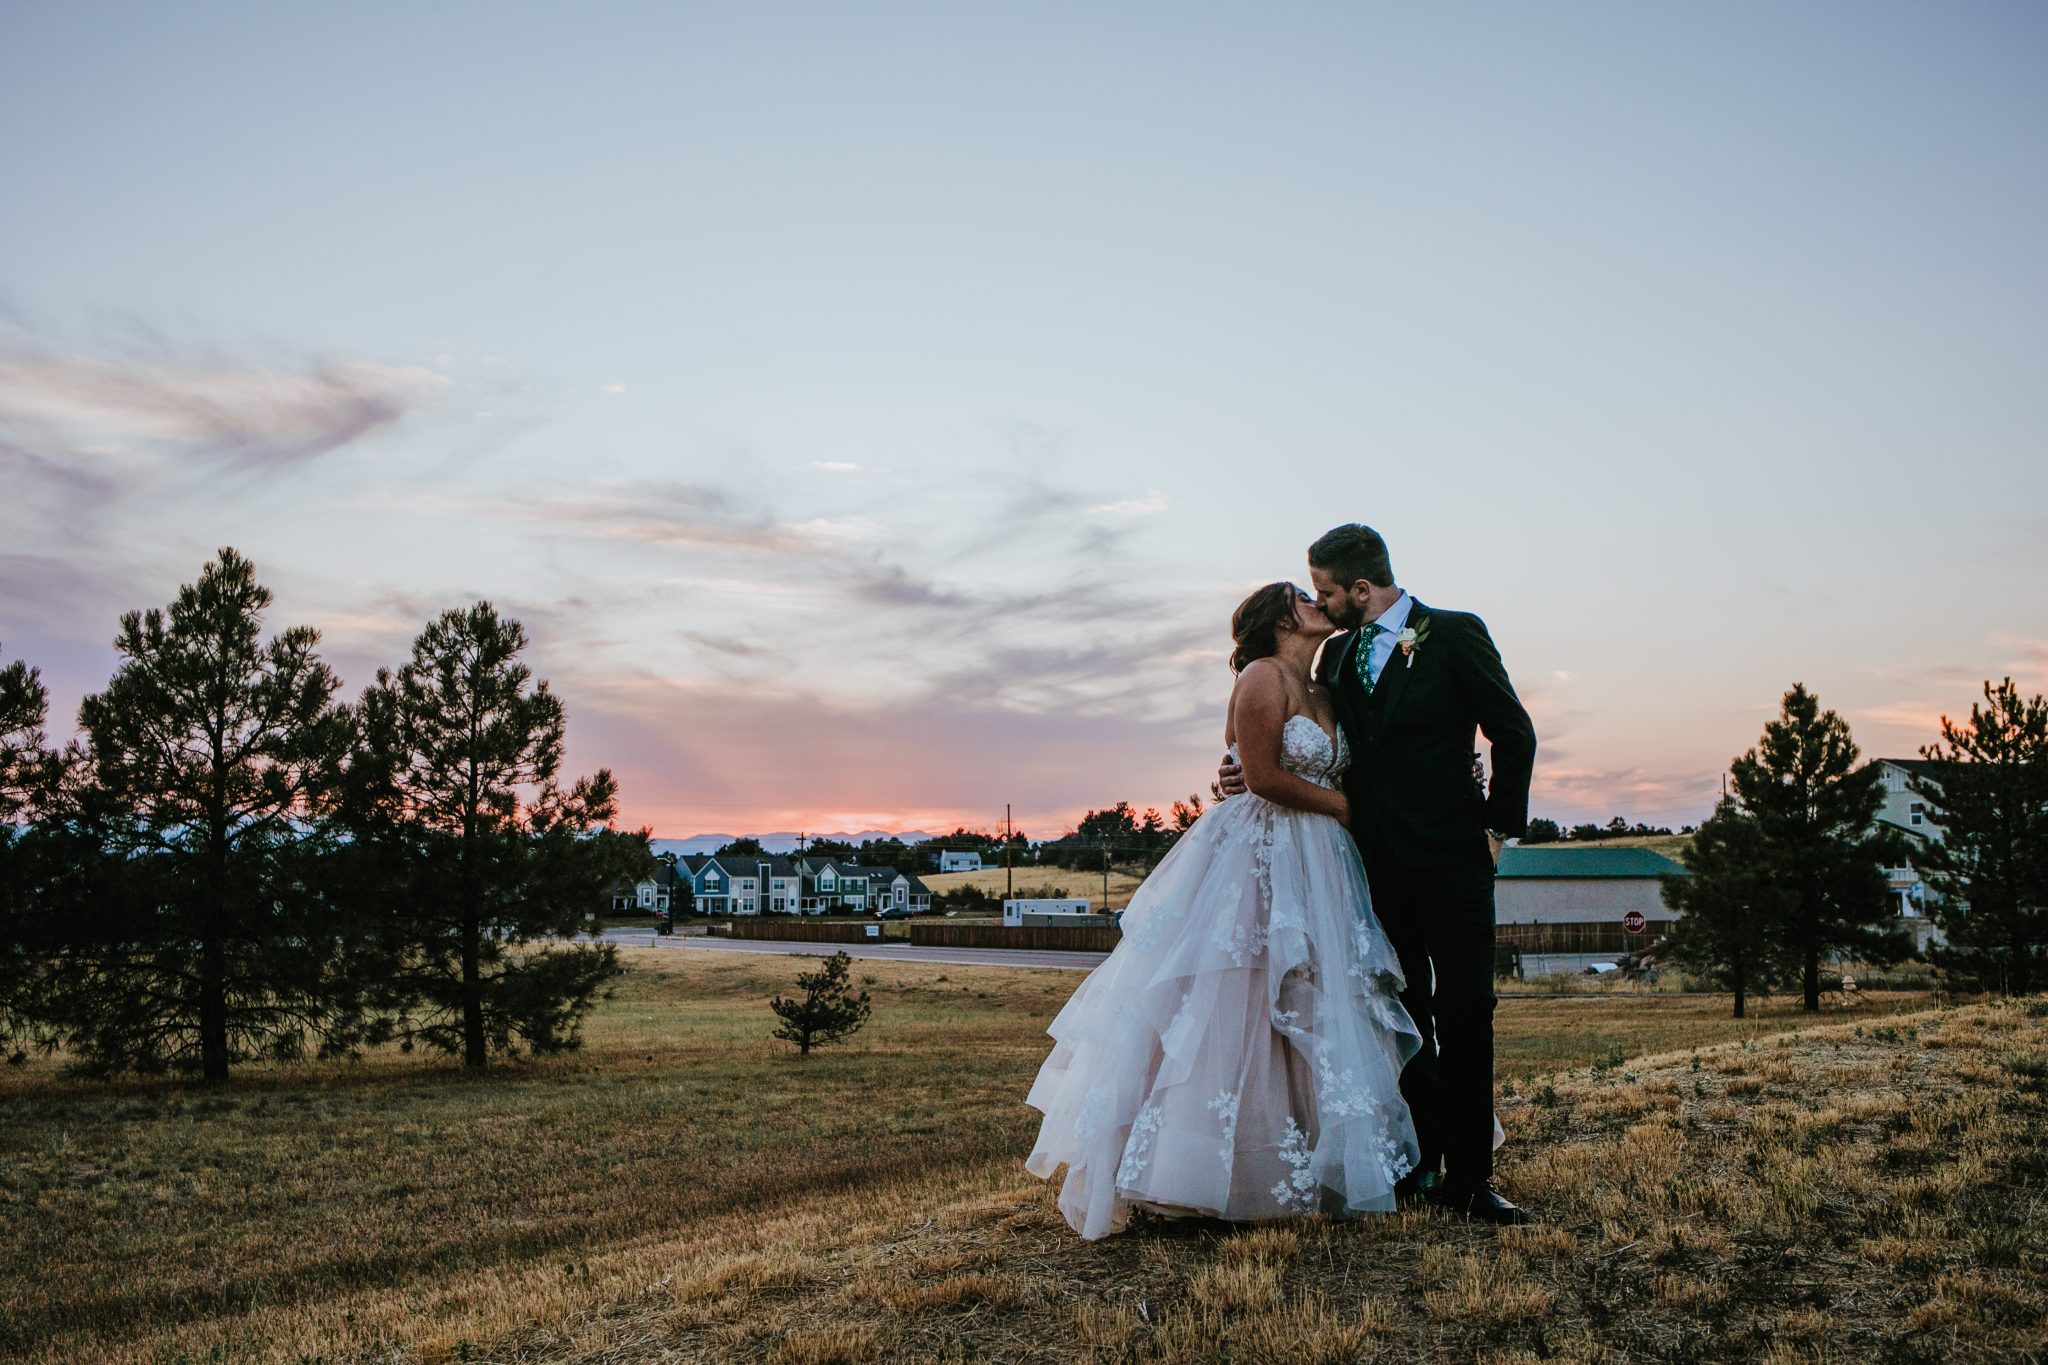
{"x": 1633, "y": 921}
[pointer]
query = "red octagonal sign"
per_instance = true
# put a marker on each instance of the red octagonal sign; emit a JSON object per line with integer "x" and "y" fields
{"x": 1634, "y": 921}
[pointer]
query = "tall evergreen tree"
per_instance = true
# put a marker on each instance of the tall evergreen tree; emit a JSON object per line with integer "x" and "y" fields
{"x": 198, "y": 938}
{"x": 1988, "y": 794}
{"x": 1731, "y": 907}
{"x": 480, "y": 856}
{"x": 24, "y": 703}
{"x": 28, "y": 775}
{"x": 1817, "y": 833}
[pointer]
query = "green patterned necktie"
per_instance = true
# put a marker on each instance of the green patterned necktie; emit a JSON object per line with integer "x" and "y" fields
{"x": 1373, "y": 630}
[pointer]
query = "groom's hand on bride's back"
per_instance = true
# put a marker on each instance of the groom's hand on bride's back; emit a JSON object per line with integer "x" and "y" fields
{"x": 1230, "y": 777}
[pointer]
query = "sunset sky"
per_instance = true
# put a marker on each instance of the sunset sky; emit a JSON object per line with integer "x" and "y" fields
{"x": 875, "y": 411}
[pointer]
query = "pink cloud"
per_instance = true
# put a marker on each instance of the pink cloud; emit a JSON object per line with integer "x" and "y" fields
{"x": 706, "y": 756}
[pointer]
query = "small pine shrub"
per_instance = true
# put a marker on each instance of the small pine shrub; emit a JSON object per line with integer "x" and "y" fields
{"x": 829, "y": 1009}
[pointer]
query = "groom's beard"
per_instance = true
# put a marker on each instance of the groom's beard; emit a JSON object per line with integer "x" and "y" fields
{"x": 1344, "y": 614}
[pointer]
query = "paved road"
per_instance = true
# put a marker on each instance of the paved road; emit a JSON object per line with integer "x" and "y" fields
{"x": 959, "y": 957}
{"x": 892, "y": 952}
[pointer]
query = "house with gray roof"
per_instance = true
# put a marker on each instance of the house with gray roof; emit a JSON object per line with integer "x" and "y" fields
{"x": 745, "y": 885}
{"x": 650, "y": 895}
{"x": 835, "y": 884}
{"x": 1910, "y": 814}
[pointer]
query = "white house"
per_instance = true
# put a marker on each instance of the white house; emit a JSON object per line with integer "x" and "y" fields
{"x": 651, "y": 895}
{"x": 950, "y": 861}
{"x": 899, "y": 891}
{"x": 1906, "y": 811}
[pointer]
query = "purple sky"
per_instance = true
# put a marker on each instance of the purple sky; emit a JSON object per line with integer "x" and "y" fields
{"x": 875, "y": 412}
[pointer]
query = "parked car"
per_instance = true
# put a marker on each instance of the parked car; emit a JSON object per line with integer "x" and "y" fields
{"x": 894, "y": 912}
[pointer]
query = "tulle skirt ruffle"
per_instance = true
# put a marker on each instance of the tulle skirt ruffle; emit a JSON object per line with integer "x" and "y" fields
{"x": 1240, "y": 1053}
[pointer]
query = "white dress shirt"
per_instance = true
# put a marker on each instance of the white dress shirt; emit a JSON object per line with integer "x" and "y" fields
{"x": 1392, "y": 622}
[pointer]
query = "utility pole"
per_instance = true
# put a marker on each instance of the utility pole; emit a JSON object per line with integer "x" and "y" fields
{"x": 1009, "y": 877}
{"x": 1105, "y": 874}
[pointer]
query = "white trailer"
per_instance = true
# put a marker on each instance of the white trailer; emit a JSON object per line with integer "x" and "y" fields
{"x": 1014, "y": 912}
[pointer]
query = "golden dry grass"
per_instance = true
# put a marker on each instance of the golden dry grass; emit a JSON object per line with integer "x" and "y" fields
{"x": 685, "y": 1190}
{"x": 1670, "y": 845}
{"x": 1058, "y": 879}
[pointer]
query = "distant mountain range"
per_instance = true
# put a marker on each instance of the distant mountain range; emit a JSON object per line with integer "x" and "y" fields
{"x": 781, "y": 842}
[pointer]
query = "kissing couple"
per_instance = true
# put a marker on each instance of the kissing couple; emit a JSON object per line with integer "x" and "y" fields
{"x": 1298, "y": 1018}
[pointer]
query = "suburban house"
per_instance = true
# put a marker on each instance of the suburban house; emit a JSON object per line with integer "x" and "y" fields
{"x": 950, "y": 861}
{"x": 1565, "y": 908}
{"x": 750, "y": 885}
{"x": 776, "y": 885}
{"x": 651, "y": 895}
{"x": 1907, "y": 812}
{"x": 899, "y": 891}
{"x": 832, "y": 884}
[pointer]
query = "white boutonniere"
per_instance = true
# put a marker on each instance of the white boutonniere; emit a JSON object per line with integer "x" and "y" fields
{"x": 1412, "y": 640}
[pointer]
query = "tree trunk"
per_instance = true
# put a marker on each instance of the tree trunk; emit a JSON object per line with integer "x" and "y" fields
{"x": 2020, "y": 948}
{"x": 473, "y": 1053}
{"x": 1811, "y": 981}
{"x": 213, "y": 948}
{"x": 1741, "y": 995}
{"x": 213, "y": 1006}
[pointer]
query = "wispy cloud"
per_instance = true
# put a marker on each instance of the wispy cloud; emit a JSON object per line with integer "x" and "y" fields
{"x": 170, "y": 402}
{"x": 2026, "y": 660}
{"x": 1581, "y": 795}
{"x": 698, "y": 755}
{"x": 1151, "y": 505}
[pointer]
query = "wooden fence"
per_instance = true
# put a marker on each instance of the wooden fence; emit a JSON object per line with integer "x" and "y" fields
{"x": 1605, "y": 937}
{"x": 1043, "y": 938}
{"x": 796, "y": 931}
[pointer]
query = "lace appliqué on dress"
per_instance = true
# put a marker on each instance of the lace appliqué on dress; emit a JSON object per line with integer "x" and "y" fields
{"x": 1138, "y": 1147}
{"x": 1297, "y": 1187}
{"x": 1224, "y": 1106}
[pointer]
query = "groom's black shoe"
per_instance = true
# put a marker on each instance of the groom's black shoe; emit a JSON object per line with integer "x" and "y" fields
{"x": 1416, "y": 1187}
{"x": 1481, "y": 1203}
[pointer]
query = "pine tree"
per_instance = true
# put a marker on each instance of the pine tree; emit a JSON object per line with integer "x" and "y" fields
{"x": 478, "y": 855}
{"x": 1818, "y": 839}
{"x": 1989, "y": 796}
{"x": 1730, "y": 907}
{"x": 24, "y": 703}
{"x": 195, "y": 935}
{"x": 828, "y": 1011}
{"x": 28, "y": 776}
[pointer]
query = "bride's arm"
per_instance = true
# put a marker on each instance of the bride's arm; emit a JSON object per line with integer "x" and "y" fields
{"x": 1258, "y": 714}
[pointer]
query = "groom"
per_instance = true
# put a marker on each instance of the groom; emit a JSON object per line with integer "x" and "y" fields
{"x": 1412, "y": 684}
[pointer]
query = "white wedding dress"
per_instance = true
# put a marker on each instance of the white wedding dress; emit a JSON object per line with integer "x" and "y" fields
{"x": 1240, "y": 1053}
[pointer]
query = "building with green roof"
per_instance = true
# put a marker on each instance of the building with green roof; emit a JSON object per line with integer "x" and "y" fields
{"x": 1563, "y": 907}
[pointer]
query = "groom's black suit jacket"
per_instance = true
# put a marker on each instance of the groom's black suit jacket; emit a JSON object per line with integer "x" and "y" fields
{"x": 1413, "y": 794}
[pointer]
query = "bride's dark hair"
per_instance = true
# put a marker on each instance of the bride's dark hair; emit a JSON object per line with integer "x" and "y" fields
{"x": 1255, "y": 626}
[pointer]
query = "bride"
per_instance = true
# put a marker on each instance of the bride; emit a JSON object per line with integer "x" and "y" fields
{"x": 1239, "y": 1054}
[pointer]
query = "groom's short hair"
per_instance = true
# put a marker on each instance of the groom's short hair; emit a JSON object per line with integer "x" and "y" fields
{"x": 1350, "y": 552}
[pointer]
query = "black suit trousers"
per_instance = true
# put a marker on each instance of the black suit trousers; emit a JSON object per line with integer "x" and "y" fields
{"x": 1440, "y": 921}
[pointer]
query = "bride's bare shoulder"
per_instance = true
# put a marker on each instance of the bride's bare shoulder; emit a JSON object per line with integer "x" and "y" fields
{"x": 1262, "y": 683}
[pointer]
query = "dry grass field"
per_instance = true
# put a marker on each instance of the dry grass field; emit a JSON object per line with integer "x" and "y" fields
{"x": 1670, "y": 845}
{"x": 1062, "y": 883}
{"x": 684, "y": 1189}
